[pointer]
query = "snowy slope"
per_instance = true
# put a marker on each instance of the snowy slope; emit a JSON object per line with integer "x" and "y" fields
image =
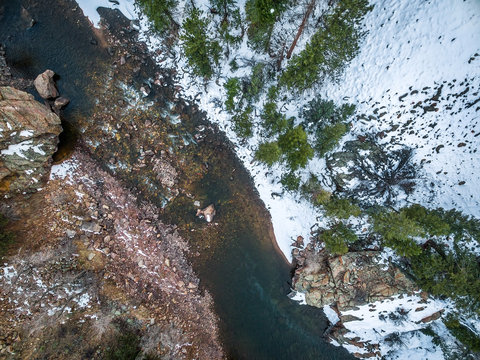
{"x": 412, "y": 45}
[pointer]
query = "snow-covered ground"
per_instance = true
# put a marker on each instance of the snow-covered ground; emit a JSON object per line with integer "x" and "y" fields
{"x": 412, "y": 45}
{"x": 412, "y": 49}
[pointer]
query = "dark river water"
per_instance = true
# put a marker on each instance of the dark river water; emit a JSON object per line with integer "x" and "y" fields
{"x": 247, "y": 278}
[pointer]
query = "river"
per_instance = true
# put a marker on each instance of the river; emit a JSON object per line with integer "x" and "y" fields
{"x": 236, "y": 260}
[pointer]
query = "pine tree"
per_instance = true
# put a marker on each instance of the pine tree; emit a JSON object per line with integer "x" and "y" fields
{"x": 295, "y": 147}
{"x": 338, "y": 238}
{"x": 268, "y": 153}
{"x": 200, "y": 51}
{"x": 397, "y": 231}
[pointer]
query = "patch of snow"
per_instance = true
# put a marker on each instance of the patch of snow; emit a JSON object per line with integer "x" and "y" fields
{"x": 83, "y": 301}
{"x": 89, "y": 8}
{"x": 26, "y": 133}
{"x": 299, "y": 297}
{"x": 62, "y": 170}
{"x": 394, "y": 324}
{"x": 331, "y": 314}
{"x": 22, "y": 148}
{"x": 420, "y": 46}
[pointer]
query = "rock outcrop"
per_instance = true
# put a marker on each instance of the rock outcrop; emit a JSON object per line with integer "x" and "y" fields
{"x": 350, "y": 280}
{"x": 28, "y": 138}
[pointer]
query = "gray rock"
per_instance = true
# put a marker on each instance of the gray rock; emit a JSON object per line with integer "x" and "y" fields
{"x": 90, "y": 226}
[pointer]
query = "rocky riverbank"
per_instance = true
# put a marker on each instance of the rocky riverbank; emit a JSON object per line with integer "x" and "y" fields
{"x": 91, "y": 257}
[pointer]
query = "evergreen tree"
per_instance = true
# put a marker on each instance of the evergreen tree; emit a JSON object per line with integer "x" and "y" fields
{"x": 242, "y": 122}
{"x": 159, "y": 12}
{"x": 268, "y": 153}
{"x": 261, "y": 16}
{"x": 338, "y": 238}
{"x": 330, "y": 48}
{"x": 232, "y": 87}
{"x": 397, "y": 231}
{"x": 273, "y": 122}
{"x": 200, "y": 51}
{"x": 295, "y": 147}
{"x": 341, "y": 208}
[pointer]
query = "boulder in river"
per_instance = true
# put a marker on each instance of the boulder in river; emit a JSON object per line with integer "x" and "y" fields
{"x": 208, "y": 213}
{"x": 45, "y": 85}
{"x": 28, "y": 138}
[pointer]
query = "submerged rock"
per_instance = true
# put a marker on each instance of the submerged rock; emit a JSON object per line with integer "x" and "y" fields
{"x": 61, "y": 102}
{"x": 45, "y": 85}
{"x": 28, "y": 138}
{"x": 208, "y": 213}
{"x": 350, "y": 280}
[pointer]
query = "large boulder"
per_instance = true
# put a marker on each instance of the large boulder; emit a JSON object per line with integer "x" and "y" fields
{"x": 28, "y": 138}
{"x": 45, "y": 85}
{"x": 350, "y": 280}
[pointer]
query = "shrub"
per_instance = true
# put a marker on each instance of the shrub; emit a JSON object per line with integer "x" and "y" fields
{"x": 295, "y": 147}
{"x": 341, "y": 208}
{"x": 290, "y": 181}
{"x": 330, "y": 48}
{"x": 314, "y": 192}
{"x": 200, "y": 51}
{"x": 159, "y": 12}
{"x": 126, "y": 348}
{"x": 268, "y": 153}
{"x": 337, "y": 238}
{"x": 397, "y": 231}
{"x": 233, "y": 65}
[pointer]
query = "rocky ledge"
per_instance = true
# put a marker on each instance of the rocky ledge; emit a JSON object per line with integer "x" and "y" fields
{"x": 28, "y": 138}
{"x": 347, "y": 281}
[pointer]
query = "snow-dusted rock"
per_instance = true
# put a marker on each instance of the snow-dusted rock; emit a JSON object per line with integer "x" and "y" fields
{"x": 28, "y": 138}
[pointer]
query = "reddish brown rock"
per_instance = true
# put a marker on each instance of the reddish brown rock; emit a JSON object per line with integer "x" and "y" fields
{"x": 45, "y": 85}
{"x": 433, "y": 317}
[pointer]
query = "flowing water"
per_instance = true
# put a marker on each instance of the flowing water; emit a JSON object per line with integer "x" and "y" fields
{"x": 240, "y": 267}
